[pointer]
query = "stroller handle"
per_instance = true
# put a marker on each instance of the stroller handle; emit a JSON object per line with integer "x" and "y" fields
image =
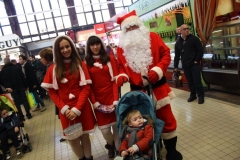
{"x": 149, "y": 86}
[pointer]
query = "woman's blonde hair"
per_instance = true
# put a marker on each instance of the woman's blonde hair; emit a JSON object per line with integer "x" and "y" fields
{"x": 133, "y": 112}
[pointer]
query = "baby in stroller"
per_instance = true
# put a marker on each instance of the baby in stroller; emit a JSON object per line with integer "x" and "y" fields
{"x": 9, "y": 127}
{"x": 137, "y": 137}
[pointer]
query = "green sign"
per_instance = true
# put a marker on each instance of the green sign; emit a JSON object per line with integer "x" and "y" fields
{"x": 144, "y": 6}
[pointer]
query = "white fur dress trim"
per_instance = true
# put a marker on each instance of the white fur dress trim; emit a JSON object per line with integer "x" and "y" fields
{"x": 159, "y": 71}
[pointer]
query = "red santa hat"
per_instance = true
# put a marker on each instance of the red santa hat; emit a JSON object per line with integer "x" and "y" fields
{"x": 128, "y": 20}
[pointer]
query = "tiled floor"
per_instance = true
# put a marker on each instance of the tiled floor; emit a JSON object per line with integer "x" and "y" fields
{"x": 205, "y": 132}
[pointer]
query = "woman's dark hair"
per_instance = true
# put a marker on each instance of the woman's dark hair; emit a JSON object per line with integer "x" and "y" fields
{"x": 33, "y": 56}
{"x": 23, "y": 57}
{"x": 104, "y": 57}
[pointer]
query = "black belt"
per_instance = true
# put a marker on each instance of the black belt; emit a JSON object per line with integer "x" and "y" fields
{"x": 157, "y": 84}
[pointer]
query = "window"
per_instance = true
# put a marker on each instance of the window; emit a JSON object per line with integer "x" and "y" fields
{"x": 37, "y": 8}
{"x": 61, "y": 33}
{"x": 89, "y": 18}
{"x": 63, "y": 7}
{"x": 33, "y": 28}
{"x": 7, "y": 30}
{"x": 3, "y": 21}
{"x": 25, "y": 40}
{"x": 50, "y": 25}
{"x": 103, "y": 5}
{"x": 45, "y": 36}
{"x": 81, "y": 19}
{"x": 96, "y": 6}
{"x": 59, "y": 23}
{"x": 118, "y": 10}
{"x": 98, "y": 16}
{"x": 19, "y": 11}
{"x": 66, "y": 21}
{"x": 35, "y": 38}
{"x": 106, "y": 15}
{"x": 87, "y": 6}
{"x": 24, "y": 29}
{"x": 78, "y": 3}
{"x": 28, "y": 9}
{"x": 55, "y": 6}
{"x": 118, "y": 4}
{"x": 42, "y": 26}
{"x": 127, "y": 2}
{"x": 52, "y": 35}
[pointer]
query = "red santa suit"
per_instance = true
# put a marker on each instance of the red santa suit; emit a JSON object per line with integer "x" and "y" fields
{"x": 162, "y": 93}
{"x": 104, "y": 89}
{"x": 151, "y": 59}
{"x": 71, "y": 93}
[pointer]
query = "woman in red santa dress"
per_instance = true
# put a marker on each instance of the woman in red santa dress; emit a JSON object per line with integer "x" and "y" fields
{"x": 67, "y": 82}
{"x": 103, "y": 69}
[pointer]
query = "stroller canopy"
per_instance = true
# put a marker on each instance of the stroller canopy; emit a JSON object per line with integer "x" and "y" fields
{"x": 138, "y": 100}
{"x": 7, "y": 103}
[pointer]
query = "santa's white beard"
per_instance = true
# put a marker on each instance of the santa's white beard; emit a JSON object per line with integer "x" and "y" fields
{"x": 136, "y": 46}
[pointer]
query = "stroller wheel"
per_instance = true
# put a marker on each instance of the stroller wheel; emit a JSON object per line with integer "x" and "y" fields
{"x": 27, "y": 137}
{"x": 29, "y": 147}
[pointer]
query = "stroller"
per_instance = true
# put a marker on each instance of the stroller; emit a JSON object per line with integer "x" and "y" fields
{"x": 138, "y": 100}
{"x": 7, "y": 103}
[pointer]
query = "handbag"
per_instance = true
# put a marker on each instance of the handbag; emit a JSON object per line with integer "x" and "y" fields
{"x": 31, "y": 99}
{"x": 177, "y": 79}
{"x": 74, "y": 131}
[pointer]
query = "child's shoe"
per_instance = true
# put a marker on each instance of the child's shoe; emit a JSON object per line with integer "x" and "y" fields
{"x": 8, "y": 155}
{"x": 18, "y": 151}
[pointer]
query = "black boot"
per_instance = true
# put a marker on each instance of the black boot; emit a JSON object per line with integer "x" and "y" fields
{"x": 89, "y": 158}
{"x": 172, "y": 153}
{"x": 83, "y": 158}
{"x": 111, "y": 150}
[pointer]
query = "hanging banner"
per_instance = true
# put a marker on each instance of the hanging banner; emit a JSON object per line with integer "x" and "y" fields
{"x": 145, "y": 6}
{"x": 99, "y": 28}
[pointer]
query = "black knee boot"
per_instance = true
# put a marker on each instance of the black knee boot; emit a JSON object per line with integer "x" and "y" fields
{"x": 83, "y": 158}
{"x": 89, "y": 158}
{"x": 172, "y": 153}
{"x": 111, "y": 150}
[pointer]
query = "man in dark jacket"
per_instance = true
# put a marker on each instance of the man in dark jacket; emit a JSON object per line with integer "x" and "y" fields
{"x": 190, "y": 48}
{"x": 5, "y": 84}
{"x": 16, "y": 79}
{"x": 32, "y": 81}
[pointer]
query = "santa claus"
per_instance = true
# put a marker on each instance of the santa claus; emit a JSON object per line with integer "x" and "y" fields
{"x": 143, "y": 53}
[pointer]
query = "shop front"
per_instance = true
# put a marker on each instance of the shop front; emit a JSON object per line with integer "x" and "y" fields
{"x": 11, "y": 47}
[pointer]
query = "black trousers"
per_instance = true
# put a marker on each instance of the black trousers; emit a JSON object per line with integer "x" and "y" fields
{"x": 8, "y": 134}
{"x": 19, "y": 97}
{"x": 193, "y": 76}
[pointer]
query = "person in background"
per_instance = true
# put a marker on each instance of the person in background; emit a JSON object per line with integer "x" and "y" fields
{"x": 178, "y": 33}
{"x": 32, "y": 82}
{"x": 67, "y": 82}
{"x": 190, "y": 48}
{"x": 8, "y": 130}
{"x": 103, "y": 69}
{"x": 47, "y": 60}
{"x": 81, "y": 52}
{"x": 15, "y": 77}
{"x": 150, "y": 58}
{"x": 40, "y": 70}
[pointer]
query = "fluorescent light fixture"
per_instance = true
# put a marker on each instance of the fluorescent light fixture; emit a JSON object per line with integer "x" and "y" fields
{"x": 217, "y": 31}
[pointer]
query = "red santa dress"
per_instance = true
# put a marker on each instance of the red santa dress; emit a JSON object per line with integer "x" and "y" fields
{"x": 104, "y": 89}
{"x": 162, "y": 94}
{"x": 71, "y": 93}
